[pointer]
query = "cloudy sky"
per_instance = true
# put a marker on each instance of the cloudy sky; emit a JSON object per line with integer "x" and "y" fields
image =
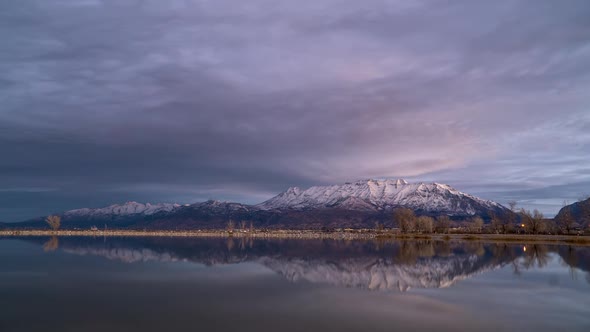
{"x": 103, "y": 101}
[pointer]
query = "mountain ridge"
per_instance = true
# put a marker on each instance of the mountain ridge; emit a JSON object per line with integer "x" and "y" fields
{"x": 382, "y": 195}
{"x": 353, "y": 204}
{"x": 579, "y": 211}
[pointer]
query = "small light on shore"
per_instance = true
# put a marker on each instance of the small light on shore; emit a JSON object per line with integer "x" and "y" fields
{"x": 524, "y": 248}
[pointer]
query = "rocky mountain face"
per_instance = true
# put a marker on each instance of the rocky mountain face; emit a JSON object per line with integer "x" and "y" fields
{"x": 376, "y": 195}
{"x": 579, "y": 211}
{"x": 357, "y": 205}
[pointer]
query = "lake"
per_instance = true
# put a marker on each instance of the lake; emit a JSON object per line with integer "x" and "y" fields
{"x": 210, "y": 284}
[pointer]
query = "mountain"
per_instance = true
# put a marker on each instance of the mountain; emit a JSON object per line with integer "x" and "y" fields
{"x": 116, "y": 215}
{"x": 129, "y": 208}
{"x": 375, "y": 195}
{"x": 355, "y": 205}
{"x": 211, "y": 214}
{"x": 580, "y": 211}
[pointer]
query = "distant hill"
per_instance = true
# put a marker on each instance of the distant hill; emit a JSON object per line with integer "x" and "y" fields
{"x": 358, "y": 205}
{"x": 580, "y": 211}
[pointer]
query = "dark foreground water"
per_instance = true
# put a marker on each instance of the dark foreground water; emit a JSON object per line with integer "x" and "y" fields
{"x": 167, "y": 284}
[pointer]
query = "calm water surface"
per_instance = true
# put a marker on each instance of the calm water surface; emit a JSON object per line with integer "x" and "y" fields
{"x": 167, "y": 284}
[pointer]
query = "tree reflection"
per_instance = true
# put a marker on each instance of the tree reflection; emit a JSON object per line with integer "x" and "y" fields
{"x": 442, "y": 248}
{"x": 410, "y": 251}
{"x": 535, "y": 255}
{"x": 476, "y": 248}
{"x": 230, "y": 243}
{"x": 570, "y": 260}
{"x": 51, "y": 245}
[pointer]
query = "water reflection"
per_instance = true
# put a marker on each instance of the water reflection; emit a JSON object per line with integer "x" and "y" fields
{"x": 535, "y": 255}
{"x": 377, "y": 265}
{"x": 51, "y": 245}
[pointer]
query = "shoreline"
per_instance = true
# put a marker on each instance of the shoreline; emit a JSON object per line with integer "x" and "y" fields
{"x": 309, "y": 234}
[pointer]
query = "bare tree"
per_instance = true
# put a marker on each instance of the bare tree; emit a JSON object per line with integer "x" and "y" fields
{"x": 230, "y": 226}
{"x": 425, "y": 224}
{"x": 379, "y": 227}
{"x": 533, "y": 222}
{"x": 510, "y": 220}
{"x": 565, "y": 220}
{"x": 243, "y": 224}
{"x": 54, "y": 222}
{"x": 251, "y": 227}
{"x": 503, "y": 223}
{"x": 405, "y": 219}
{"x": 443, "y": 224}
{"x": 476, "y": 224}
{"x": 497, "y": 223}
{"x": 539, "y": 219}
{"x": 512, "y": 205}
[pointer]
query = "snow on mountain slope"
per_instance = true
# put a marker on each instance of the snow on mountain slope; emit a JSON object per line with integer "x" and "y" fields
{"x": 134, "y": 209}
{"x": 382, "y": 194}
{"x": 129, "y": 208}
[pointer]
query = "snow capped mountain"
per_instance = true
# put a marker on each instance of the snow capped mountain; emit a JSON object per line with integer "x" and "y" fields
{"x": 351, "y": 205}
{"x": 129, "y": 208}
{"x": 382, "y": 194}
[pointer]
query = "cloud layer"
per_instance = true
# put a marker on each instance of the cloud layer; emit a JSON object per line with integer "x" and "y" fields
{"x": 187, "y": 100}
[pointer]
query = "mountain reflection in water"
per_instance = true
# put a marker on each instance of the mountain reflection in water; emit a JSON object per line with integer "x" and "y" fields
{"x": 373, "y": 265}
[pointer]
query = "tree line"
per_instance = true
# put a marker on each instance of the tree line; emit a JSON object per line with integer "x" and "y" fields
{"x": 518, "y": 221}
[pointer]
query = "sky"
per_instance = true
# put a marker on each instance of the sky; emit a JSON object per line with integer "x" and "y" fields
{"x": 107, "y": 101}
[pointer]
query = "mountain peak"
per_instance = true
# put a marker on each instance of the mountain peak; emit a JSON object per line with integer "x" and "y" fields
{"x": 397, "y": 182}
{"x": 401, "y": 182}
{"x": 293, "y": 191}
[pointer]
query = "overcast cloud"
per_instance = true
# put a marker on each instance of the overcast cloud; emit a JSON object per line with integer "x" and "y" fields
{"x": 103, "y": 101}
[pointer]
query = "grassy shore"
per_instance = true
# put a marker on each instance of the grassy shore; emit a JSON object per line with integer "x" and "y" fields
{"x": 312, "y": 234}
